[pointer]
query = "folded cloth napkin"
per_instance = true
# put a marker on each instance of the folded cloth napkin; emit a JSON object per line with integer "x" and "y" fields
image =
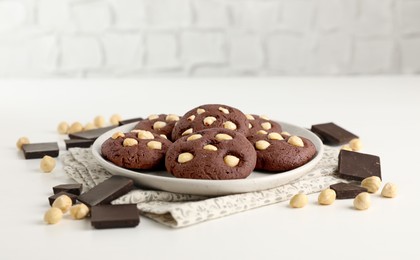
{"x": 181, "y": 210}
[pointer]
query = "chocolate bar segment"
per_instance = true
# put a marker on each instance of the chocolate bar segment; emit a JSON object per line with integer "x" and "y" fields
{"x": 91, "y": 134}
{"x": 358, "y": 166}
{"x": 107, "y": 191}
{"x": 333, "y": 134}
{"x": 39, "y": 150}
{"x": 131, "y": 120}
{"x": 81, "y": 143}
{"x": 346, "y": 190}
{"x": 75, "y": 189}
{"x": 52, "y": 198}
{"x": 114, "y": 216}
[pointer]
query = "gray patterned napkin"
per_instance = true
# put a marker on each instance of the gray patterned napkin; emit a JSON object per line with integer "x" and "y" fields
{"x": 181, "y": 210}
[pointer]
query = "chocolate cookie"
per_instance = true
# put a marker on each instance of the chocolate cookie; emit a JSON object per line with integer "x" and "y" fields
{"x": 217, "y": 154}
{"x": 138, "y": 149}
{"x": 159, "y": 124}
{"x": 278, "y": 153}
{"x": 211, "y": 116}
{"x": 263, "y": 124}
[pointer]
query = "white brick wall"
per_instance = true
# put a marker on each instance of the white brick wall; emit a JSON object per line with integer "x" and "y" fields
{"x": 135, "y": 38}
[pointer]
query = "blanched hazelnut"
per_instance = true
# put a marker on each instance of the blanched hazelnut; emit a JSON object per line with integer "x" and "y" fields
{"x": 21, "y": 141}
{"x": 172, "y": 117}
{"x": 159, "y": 125}
{"x": 222, "y": 137}
{"x": 185, "y": 157}
{"x": 262, "y": 145}
{"x": 229, "y": 125}
{"x": 200, "y": 111}
{"x": 262, "y": 132}
{"x": 296, "y": 141}
{"x": 326, "y": 197}
{"x": 224, "y": 110}
{"x": 75, "y": 127}
{"x": 249, "y": 117}
{"x": 153, "y": 117}
{"x": 249, "y": 125}
{"x": 231, "y": 160}
{"x": 99, "y": 121}
{"x": 266, "y": 125}
{"x": 63, "y": 128}
{"x": 89, "y": 126}
{"x": 210, "y": 147}
{"x": 130, "y": 142}
{"x": 362, "y": 201}
{"x": 346, "y": 147}
{"x": 115, "y": 119}
{"x": 53, "y": 216}
{"x": 117, "y": 134}
{"x": 163, "y": 136}
{"x": 372, "y": 183}
{"x": 155, "y": 145}
{"x": 356, "y": 144}
{"x": 143, "y": 134}
{"x": 79, "y": 211}
{"x": 194, "y": 137}
{"x": 209, "y": 120}
{"x": 298, "y": 201}
{"x": 390, "y": 190}
{"x": 188, "y": 131}
{"x": 191, "y": 118}
{"x": 63, "y": 202}
{"x": 275, "y": 136}
{"x": 285, "y": 133}
{"x": 264, "y": 117}
{"x": 47, "y": 164}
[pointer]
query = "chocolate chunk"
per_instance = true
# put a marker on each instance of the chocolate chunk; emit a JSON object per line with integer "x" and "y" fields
{"x": 131, "y": 120}
{"x": 358, "y": 166}
{"x": 75, "y": 189}
{"x": 52, "y": 198}
{"x": 107, "y": 191}
{"x": 81, "y": 143}
{"x": 114, "y": 216}
{"x": 333, "y": 134}
{"x": 91, "y": 134}
{"x": 39, "y": 150}
{"x": 346, "y": 191}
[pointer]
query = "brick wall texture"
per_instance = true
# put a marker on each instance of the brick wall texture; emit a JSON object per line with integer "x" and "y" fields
{"x": 136, "y": 38}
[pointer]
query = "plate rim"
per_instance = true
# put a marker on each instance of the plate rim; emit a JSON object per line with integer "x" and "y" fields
{"x": 220, "y": 188}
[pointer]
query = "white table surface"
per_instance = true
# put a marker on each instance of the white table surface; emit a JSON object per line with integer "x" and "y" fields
{"x": 383, "y": 111}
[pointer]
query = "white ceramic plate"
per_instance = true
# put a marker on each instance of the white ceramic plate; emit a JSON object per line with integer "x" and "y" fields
{"x": 162, "y": 180}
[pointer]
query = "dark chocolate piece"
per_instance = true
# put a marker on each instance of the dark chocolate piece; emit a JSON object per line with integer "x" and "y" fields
{"x": 131, "y": 120}
{"x": 346, "y": 190}
{"x": 91, "y": 134}
{"x": 75, "y": 189}
{"x": 39, "y": 150}
{"x": 333, "y": 134}
{"x": 107, "y": 191}
{"x": 114, "y": 216}
{"x": 82, "y": 143}
{"x": 358, "y": 166}
{"x": 52, "y": 198}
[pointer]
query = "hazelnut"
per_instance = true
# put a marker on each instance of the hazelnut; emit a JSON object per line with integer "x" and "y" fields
{"x": 249, "y": 125}
{"x": 47, "y": 164}
{"x": 346, "y": 147}
{"x": 275, "y": 136}
{"x": 327, "y": 197}
{"x": 194, "y": 137}
{"x": 200, "y": 111}
{"x": 75, "y": 127}
{"x": 188, "y": 131}
{"x": 231, "y": 160}
{"x": 224, "y": 110}
{"x": 172, "y": 117}
{"x": 63, "y": 202}
{"x": 143, "y": 134}
{"x": 298, "y": 201}
{"x": 191, "y": 118}
{"x": 115, "y": 119}
{"x": 249, "y": 117}
{"x": 164, "y": 136}
{"x": 229, "y": 125}
{"x": 155, "y": 145}
{"x": 159, "y": 125}
{"x": 185, "y": 157}
{"x": 21, "y": 141}
{"x": 53, "y": 216}
{"x": 153, "y": 117}
{"x": 79, "y": 211}
{"x": 130, "y": 142}
{"x": 262, "y": 145}
{"x": 222, "y": 137}
{"x": 117, "y": 134}
{"x": 372, "y": 184}
{"x": 209, "y": 120}
{"x": 296, "y": 141}
{"x": 362, "y": 201}
{"x": 262, "y": 132}
{"x": 285, "y": 133}
{"x": 266, "y": 125}
{"x": 264, "y": 117}
{"x": 355, "y": 144}
{"x": 210, "y": 147}
{"x": 390, "y": 190}
{"x": 89, "y": 126}
{"x": 63, "y": 128}
{"x": 99, "y": 121}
